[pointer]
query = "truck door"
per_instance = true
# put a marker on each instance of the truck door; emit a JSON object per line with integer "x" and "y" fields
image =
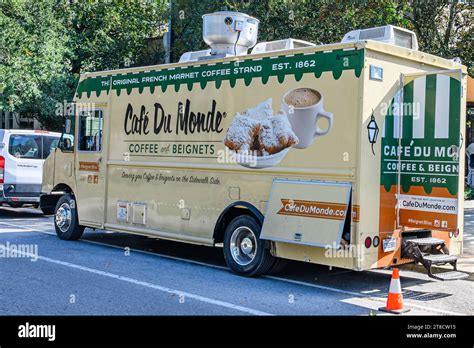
{"x": 425, "y": 130}
{"x": 90, "y": 166}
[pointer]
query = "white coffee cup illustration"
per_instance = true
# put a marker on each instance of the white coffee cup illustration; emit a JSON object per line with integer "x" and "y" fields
{"x": 304, "y": 107}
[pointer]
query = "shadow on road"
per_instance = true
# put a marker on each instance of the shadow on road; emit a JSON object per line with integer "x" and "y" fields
{"x": 371, "y": 283}
{"x": 20, "y": 213}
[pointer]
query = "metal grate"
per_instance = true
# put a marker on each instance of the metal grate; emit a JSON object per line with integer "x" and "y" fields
{"x": 440, "y": 258}
{"x": 403, "y": 38}
{"x": 426, "y": 241}
{"x": 423, "y": 296}
{"x": 372, "y": 33}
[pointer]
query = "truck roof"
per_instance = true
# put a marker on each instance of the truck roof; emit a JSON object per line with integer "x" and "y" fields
{"x": 369, "y": 44}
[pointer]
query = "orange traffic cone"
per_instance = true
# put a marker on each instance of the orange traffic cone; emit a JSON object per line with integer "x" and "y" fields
{"x": 395, "y": 298}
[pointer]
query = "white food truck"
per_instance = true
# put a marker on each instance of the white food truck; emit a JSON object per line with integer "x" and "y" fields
{"x": 344, "y": 154}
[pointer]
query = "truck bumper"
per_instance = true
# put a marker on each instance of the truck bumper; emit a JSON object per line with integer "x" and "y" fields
{"x": 20, "y": 193}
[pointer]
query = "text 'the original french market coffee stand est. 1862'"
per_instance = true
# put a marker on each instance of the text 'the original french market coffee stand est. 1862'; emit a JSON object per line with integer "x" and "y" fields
{"x": 346, "y": 154}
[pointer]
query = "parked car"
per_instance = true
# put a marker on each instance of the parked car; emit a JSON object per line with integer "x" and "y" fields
{"x": 22, "y": 153}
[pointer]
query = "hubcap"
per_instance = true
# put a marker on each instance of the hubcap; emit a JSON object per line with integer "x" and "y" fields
{"x": 243, "y": 245}
{"x": 63, "y": 217}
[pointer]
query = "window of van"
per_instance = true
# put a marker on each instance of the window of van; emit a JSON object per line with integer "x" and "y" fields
{"x": 25, "y": 146}
{"x": 90, "y": 130}
{"x": 32, "y": 146}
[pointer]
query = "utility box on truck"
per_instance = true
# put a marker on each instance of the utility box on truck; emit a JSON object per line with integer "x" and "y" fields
{"x": 346, "y": 155}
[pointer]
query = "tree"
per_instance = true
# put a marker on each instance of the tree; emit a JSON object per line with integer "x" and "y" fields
{"x": 444, "y": 27}
{"x": 112, "y": 34}
{"x": 46, "y": 44}
{"x": 33, "y": 46}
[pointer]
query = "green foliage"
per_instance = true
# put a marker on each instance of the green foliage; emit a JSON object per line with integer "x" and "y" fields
{"x": 444, "y": 27}
{"x": 34, "y": 44}
{"x": 111, "y": 34}
{"x": 468, "y": 193}
{"x": 46, "y": 44}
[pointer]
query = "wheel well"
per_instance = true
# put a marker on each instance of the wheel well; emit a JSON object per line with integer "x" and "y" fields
{"x": 231, "y": 212}
{"x": 49, "y": 201}
{"x": 63, "y": 187}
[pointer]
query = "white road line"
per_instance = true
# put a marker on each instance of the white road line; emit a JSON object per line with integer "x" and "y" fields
{"x": 322, "y": 287}
{"x": 145, "y": 284}
{"x": 122, "y": 248}
{"x": 358, "y": 294}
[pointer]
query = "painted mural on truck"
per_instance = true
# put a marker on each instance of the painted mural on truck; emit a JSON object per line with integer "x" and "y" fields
{"x": 420, "y": 155}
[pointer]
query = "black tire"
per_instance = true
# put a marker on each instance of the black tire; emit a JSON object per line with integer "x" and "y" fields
{"x": 71, "y": 230}
{"x": 278, "y": 265}
{"x": 258, "y": 255}
{"x": 15, "y": 205}
{"x": 48, "y": 210}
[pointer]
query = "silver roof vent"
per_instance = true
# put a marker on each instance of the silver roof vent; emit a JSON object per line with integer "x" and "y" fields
{"x": 229, "y": 33}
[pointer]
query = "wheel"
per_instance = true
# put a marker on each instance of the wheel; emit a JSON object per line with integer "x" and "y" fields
{"x": 66, "y": 222}
{"x": 48, "y": 210}
{"x": 244, "y": 252}
{"x": 15, "y": 205}
{"x": 278, "y": 266}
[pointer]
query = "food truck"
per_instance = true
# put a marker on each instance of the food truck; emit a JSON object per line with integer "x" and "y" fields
{"x": 346, "y": 154}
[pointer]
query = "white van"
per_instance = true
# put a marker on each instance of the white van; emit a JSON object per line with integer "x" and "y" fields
{"x": 22, "y": 153}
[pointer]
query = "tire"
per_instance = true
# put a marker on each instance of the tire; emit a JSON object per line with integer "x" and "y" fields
{"x": 244, "y": 252}
{"x": 15, "y": 205}
{"x": 278, "y": 266}
{"x": 48, "y": 210}
{"x": 66, "y": 222}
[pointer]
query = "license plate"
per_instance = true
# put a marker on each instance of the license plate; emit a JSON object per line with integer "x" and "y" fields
{"x": 389, "y": 244}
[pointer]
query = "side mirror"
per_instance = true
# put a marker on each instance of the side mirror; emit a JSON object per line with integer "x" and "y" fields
{"x": 65, "y": 144}
{"x": 67, "y": 126}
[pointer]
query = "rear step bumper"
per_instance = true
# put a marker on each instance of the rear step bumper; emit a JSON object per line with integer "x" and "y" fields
{"x": 431, "y": 251}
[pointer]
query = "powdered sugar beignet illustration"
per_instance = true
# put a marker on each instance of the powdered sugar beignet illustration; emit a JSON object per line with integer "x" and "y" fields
{"x": 260, "y": 135}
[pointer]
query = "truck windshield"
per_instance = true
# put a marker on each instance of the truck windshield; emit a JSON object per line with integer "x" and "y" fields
{"x": 49, "y": 144}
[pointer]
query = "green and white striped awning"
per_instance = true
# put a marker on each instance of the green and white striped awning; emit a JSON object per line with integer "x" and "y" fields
{"x": 430, "y": 104}
{"x": 421, "y": 132}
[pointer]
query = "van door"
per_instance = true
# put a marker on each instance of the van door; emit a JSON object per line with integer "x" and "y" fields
{"x": 90, "y": 166}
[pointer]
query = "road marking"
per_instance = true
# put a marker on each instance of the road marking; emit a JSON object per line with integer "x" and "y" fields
{"x": 297, "y": 282}
{"x": 145, "y": 284}
{"x": 358, "y": 294}
{"x": 122, "y": 248}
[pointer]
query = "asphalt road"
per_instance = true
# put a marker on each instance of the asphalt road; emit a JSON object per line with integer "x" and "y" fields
{"x": 121, "y": 274}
